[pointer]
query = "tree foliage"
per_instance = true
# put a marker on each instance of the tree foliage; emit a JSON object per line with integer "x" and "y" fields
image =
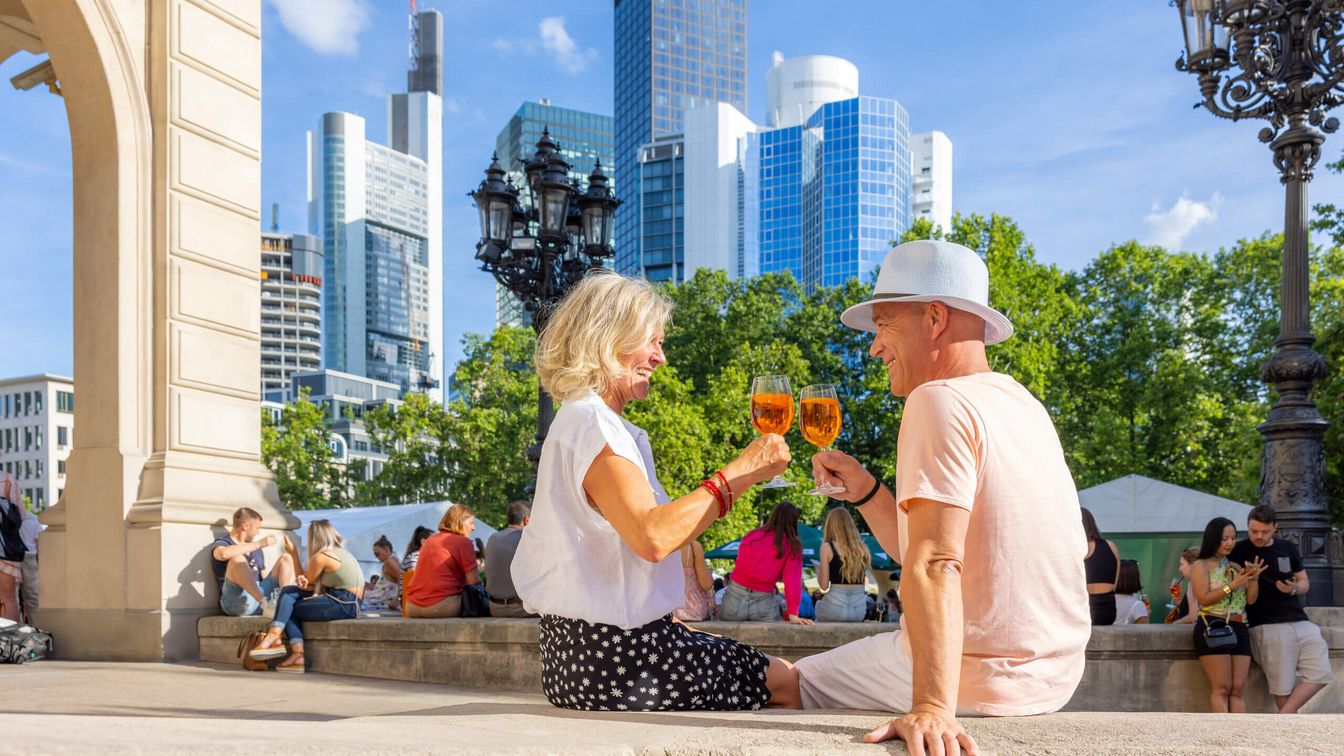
{"x": 1148, "y": 360}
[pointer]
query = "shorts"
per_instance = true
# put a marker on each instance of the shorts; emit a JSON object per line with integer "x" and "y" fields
{"x": 1243, "y": 647}
{"x": 237, "y": 602}
{"x": 1289, "y": 650}
{"x": 870, "y": 674}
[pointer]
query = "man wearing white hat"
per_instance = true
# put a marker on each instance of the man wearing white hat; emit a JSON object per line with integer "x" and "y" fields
{"x": 983, "y": 515}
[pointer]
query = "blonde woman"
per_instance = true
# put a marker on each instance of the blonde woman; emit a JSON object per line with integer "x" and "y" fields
{"x": 843, "y": 572}
{"x": 329, "y": 589}
{"x": 446, "y": 566}
{"x": 599, "y": 559}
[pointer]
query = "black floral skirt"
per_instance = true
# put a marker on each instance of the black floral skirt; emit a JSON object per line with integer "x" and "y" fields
{"x": 661, "y": 666}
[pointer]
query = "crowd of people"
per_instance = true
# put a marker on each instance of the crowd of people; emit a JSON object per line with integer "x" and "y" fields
{"x": 1241, "y": 597}
{"x": 608, "y": 560}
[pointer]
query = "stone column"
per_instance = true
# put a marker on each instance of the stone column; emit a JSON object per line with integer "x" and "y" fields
{"x": 163, "y": 98}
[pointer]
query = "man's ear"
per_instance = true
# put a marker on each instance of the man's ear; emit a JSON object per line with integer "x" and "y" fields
{"x": 938, "y": 318}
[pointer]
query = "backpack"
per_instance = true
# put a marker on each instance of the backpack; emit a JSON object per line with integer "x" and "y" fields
{"x": 23, "y": 643}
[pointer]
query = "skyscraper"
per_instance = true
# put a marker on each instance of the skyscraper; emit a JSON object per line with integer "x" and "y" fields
{"x": 931, "y": 169}
{"x": 820, "y": 194}
{"x": 584, "y": 138}
{"x": 670, "y": 56}
{"x": 291, "y": 309}
{"x": 379, "y": 212}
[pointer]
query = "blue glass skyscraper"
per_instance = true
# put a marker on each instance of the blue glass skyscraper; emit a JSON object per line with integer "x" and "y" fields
{"x": 670, "y": 55}
{"x": 834, "y": 191}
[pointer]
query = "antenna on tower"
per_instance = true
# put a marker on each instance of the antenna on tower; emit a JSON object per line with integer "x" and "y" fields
{"x": 414, "y": 27}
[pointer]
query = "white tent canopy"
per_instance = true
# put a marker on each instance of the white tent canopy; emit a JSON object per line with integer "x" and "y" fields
{"x": 1135, "y": 504}
{"x": 361, "y": 527}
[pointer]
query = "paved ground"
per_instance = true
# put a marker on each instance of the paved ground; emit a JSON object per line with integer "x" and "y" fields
{"x": 162, "y": 708}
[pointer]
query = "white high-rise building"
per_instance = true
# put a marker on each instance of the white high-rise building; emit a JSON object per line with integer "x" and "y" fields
{"x": 717, "y": 219}
{"x": 931, "y": 178}
{"x": 37, "y": 430}
{"x": 291, "y": 309}
{"x": 379, "y": 212}
{"x": 796, "y": 87}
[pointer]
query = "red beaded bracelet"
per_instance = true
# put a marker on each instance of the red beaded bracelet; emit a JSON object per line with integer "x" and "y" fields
{"x": 713, "y": 488}
{"x": 724, "y": 479}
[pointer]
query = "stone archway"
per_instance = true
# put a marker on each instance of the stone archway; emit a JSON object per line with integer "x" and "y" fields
{"x": 163, "y": 99}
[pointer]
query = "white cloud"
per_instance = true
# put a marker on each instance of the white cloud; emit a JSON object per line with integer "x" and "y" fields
{"x": 1170, "y": 228}
{"x": 452, "y": 105}
{"x": 329, "y": 27}
{"x": 555, "y": 40}
{"x": 558, "y": 42}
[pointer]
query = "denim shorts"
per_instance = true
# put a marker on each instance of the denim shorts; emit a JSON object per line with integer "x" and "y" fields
{"x": 237, "y": 602}
{"x": 843, "y": 603}
{"x": 742, "y": 604}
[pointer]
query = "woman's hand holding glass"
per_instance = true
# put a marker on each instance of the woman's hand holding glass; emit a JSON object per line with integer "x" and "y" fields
{"x": 766, "y": 456}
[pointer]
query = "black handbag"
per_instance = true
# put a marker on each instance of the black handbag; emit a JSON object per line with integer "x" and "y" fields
{"x": 475, "y": 601}
{"x": 1218, "y": 636}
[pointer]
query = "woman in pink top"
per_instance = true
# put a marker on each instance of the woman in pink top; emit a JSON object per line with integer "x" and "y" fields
{"x": 767, "y": 555}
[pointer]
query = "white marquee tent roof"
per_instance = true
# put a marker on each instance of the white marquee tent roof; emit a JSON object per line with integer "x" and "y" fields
{"x": 1135, "y": 504}
{"x": 361, "y": 527}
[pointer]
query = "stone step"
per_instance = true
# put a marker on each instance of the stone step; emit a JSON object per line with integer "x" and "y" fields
{"x": 1129, "y": 667}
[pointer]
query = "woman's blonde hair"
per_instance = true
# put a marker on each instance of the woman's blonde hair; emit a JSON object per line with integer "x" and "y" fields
{"x": 322, "y": 535}
{"x": 606, "y": 316}
{"x": 844, "y": 538}
{"x": 455, "y": 519}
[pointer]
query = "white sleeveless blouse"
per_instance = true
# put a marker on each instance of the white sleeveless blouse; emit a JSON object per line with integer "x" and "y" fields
{"x": 570, "y": 561}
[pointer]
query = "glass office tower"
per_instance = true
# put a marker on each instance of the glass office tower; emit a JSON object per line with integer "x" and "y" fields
{"x": 379, "y": 212}
{"x": 584, "y": 138}
{"x": 835, "y": 191}
{"x": 670, "y": 55}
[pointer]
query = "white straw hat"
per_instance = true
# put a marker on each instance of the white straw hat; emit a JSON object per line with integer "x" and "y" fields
{"x": 933, "y": 271}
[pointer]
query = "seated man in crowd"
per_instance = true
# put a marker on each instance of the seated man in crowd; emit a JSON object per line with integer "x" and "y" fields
{"x": 504, "y": 601}
{"x": 240, "y": 566}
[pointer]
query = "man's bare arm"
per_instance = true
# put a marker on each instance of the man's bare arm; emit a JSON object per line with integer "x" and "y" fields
{"x": 931, "y": 590}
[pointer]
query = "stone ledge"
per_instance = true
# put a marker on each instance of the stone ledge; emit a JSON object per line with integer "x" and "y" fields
{"x": 166, "y": 708}
{"x": 1129, "y": 667}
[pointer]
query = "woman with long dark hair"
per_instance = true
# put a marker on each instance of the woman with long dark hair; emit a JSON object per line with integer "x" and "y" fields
{"x": 767, "y": 555}
{"x": 412, "y": 556}
{"x": 1222, "y": 593}
{"x": 1102, "y": 565}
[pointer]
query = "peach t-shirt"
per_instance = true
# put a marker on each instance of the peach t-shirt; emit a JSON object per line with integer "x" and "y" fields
{"x": 984, "y": 443}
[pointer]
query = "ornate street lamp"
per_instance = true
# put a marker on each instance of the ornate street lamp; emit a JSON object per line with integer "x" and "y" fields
{"x": 540, "y": 250}
{"x": 1283, "y": 61}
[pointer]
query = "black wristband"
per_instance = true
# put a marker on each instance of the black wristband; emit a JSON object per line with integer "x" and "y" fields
{"x": 877, "y": 483}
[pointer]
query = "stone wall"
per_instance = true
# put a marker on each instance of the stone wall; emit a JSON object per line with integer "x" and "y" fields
{"x": 1129, "y": 668}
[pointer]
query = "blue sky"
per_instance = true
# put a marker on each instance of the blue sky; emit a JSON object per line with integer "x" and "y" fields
{"x": 1068, "y": 117}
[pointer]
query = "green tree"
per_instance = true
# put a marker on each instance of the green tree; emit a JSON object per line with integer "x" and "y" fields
{"x": 297, "y": 450}
{"x": 491, "y": 423}
{"x": 413, "y": 437}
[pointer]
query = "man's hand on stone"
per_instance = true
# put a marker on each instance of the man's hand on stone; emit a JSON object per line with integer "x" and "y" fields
{"x": 926, "y": 732}
{"x": 838, "y": 467}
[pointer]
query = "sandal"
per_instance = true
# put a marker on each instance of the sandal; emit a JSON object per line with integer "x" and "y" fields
{"x": 288, "y": 666}
{"x": 268, "y": 652}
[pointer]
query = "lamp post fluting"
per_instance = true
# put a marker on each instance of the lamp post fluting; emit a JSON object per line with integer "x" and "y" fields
{"x": 541, "y": 239}
{"x": 1283, "y": 61}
